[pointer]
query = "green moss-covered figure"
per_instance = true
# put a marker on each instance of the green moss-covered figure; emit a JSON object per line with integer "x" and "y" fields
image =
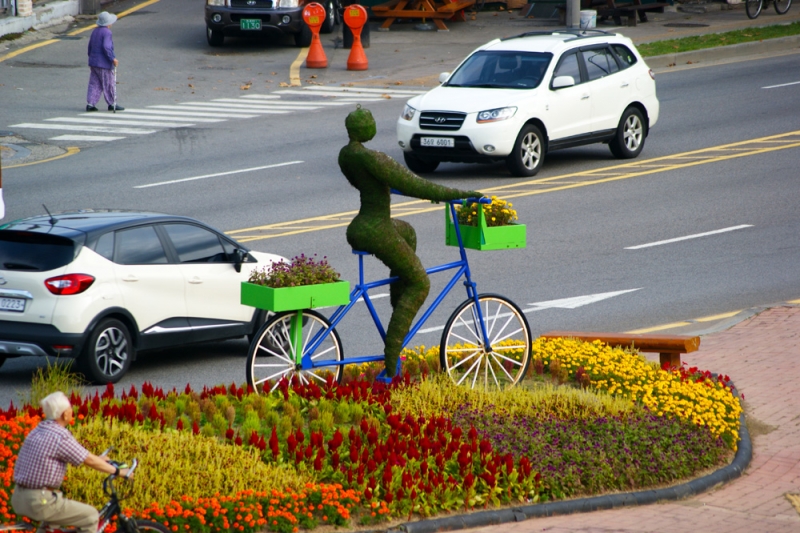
{"x": 373, "y": 230}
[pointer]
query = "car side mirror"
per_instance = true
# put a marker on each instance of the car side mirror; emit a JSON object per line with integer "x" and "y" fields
{"x": 563, "y": 81}
{"x": 238, "y": 259}
{"x": 443, "y": 77}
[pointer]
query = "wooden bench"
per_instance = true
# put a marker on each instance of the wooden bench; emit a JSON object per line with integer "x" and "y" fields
{"x": 616, "y": 10}
{"x": 669, "y": 347}
{"x": 435, "y": 10}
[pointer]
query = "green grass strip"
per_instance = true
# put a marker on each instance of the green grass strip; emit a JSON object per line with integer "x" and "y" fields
{"x": 687, "y": 44}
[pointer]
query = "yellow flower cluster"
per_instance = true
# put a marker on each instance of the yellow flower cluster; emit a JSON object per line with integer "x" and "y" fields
{"x": 627, "y": 375}
{"x": 498, "y": 213}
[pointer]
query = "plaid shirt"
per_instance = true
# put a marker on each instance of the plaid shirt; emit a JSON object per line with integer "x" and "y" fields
{"x": 43, "y": 457}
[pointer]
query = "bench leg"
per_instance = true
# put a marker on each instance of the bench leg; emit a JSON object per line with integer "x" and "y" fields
{"x": 672, "y": 359}
{"x": 642, "y": 15}
{"x": 632, "y": 19}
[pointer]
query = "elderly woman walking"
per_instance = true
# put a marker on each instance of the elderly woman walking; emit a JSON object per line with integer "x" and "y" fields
{"x": 102, "y": 61}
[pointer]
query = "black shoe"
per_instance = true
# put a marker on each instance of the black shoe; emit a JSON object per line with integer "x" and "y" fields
{"x": 117, "y": 106}
{"x": 91, "y": 108}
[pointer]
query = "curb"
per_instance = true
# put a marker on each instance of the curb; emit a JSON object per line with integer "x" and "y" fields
{"x": 789, "y": 44}
{"x": 52, "y": 12}
{"x": 741, "y": 460}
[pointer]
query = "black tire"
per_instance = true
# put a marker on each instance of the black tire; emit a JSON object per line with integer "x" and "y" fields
{"x": 272, "y": 355}
{"x": 108, "y": 352}
{"x": 214, "y": 37}
{"x": 330, "y": 17}
{"x": 628, "y": 141}
{"x": 527, "y": 157}
{"x": 465, "y": 355}
{"x": 782, "y": 6}
{"x": 261, "y": 319}
{"x": 302, "y": 39}
{"x": 2, "y": 359}
{"x": 148, "y": 525}
{"x": 418, "y": 164}
{"x": 753, "y": 8}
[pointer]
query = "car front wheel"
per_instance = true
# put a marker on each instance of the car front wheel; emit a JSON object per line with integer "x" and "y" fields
{"x": 330, "y": 18}
{"x": 628, "y": 141}
{"x": 303, "y": 38}
{"x": 214, "y": 37}
{"x": 527, "y": 157}
{"x": 108, "y": 352}
{"x": 419, "y": 165}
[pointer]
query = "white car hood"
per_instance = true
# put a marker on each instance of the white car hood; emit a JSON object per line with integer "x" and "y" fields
{"x": 469, "y": 100}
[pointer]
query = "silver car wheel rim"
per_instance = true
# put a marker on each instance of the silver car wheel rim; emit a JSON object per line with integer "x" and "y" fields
{"x": 531, "y": 151}
{"x": 632, "y": 134}
{"x": 111, "y": 351}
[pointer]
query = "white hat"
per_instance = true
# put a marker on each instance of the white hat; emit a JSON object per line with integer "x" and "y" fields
{"x": 106, "y": 19}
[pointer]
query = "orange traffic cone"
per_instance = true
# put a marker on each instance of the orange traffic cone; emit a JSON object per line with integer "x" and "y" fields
{"x": 316, "y": 55}
{"x": 355, "y": 16}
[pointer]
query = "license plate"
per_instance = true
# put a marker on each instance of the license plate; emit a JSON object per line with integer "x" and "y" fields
{"x": 438, "y": 142}
{"x": 250, "y": 24}
{"x": 12, "y": 304}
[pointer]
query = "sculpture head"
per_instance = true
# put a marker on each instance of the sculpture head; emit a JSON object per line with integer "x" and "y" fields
{"x": 360, "y": 125}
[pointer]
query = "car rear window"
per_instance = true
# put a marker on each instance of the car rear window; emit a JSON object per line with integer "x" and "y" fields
{"x": 35, "y": 252}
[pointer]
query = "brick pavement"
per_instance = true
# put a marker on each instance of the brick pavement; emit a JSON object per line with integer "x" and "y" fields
{"x": 762, "y": 356}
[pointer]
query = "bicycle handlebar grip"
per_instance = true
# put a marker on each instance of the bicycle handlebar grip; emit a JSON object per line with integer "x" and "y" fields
{"x": 107, "y": 451}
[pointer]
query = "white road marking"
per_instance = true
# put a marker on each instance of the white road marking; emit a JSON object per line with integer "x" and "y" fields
{"x": 93, "y": 129}
{"x": 231, "y": 113}
{"x": 119, "y": 121}
{"x": 369, "y": 98}
{"x": 365, "y": 90}
{"x": 314, "y": 102}
{"x": 134, "y": 115}
{"x": 687, "y": 237}
{"x": 281, "y": 104}
{"x": 262, "y": 96}
{"x": 228, "y": 173}
{"x": 228, "y": 108}
{"x": 781, "y": 85}
{"x": 85, "y": 138}
{"x": 186, "y": 113}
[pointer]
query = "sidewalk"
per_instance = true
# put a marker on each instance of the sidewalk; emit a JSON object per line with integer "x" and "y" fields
{"x": 762, "y": 356}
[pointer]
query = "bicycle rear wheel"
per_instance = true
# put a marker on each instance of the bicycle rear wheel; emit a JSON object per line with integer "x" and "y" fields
{"x": 753, "y": 8}
{"x": 137, "y": 526}
{"x": 782, "y": 6}
{"x": 273, "y": 354}
{"x": 497, "y": 364}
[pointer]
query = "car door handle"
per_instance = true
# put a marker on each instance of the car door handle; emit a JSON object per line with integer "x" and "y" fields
{"x": 585, "y": 97}
{"x": 624, "y": 84}
{"x": 130, "y": 277}
{"x": 195, "y": 280}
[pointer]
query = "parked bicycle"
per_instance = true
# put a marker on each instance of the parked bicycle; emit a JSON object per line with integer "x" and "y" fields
{"x": 486, "y": 342}
{"x": 754, "y": 7}
{"x": 111, "y": 511}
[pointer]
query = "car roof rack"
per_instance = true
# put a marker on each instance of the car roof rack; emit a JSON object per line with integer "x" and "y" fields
{"x": 578, "y": 33}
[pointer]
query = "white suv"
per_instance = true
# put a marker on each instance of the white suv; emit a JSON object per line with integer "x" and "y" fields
{"x": 101, "y": 285}
{"x": 517, "y": 98}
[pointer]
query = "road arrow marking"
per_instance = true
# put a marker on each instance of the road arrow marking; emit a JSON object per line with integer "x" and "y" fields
{"x": 577, "y": 301}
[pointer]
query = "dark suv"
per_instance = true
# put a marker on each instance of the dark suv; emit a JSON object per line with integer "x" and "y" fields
{"x": 281, "y": 17}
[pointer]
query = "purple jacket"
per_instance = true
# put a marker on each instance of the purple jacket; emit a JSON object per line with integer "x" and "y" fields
{"x": 101, "y": 48}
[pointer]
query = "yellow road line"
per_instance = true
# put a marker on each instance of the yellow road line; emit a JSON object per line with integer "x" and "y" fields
{"x": 73, "y": 32}
{"x": 659, "y": 328}
{"x": 72, "y": 150}
{"x": 294, "y": 68}
{"x": 718, "y": 317}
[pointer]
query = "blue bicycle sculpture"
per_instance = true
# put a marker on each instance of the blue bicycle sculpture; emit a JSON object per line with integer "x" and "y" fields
{"x": 486, "y": 342}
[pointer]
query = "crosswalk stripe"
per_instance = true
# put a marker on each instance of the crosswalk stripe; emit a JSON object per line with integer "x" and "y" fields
{"x": 120, "y": 122}
{"x": 364, "y": 90}
{"x": 294, "y": 102}
{"x": 244, "y": 107}
{"x": 229, "y": 112}
{"x": 321, "y": 93}
{"x": 185, "y": 113}
{"x": 285, "y": 104}
{"x": 94, "y": 129}
{"x": 226, "y": 109}
{"x": 85, "y": 138}
{"x": 166, "y": 118}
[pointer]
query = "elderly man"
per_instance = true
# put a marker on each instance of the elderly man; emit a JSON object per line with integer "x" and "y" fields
{"x": 42, "y": 463}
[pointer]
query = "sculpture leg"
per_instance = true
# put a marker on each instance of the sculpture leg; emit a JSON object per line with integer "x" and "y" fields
{"x": 408, "y": 234}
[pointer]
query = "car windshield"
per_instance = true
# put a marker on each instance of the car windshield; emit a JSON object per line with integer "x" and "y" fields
{"x": 38, "y": 252}
{"x": 501, "y": 69}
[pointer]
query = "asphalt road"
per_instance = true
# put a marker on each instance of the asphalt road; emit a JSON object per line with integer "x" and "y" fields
{"x": 580, "y": 230}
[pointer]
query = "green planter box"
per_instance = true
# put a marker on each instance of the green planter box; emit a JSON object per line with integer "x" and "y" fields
{"x": 483, "y": 237}
{"x": 295, "y": 298}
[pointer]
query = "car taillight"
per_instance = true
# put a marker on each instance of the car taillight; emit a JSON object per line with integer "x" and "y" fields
{"x": 69, "y": 284}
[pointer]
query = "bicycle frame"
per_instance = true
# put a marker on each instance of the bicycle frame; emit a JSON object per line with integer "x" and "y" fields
{"x": 361, "y": 291}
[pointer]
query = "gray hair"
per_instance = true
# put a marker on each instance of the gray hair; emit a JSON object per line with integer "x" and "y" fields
{"x": 54, "y": 405}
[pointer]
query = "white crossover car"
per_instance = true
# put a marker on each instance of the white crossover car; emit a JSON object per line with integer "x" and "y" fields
{"x": 517, "y": 98}
{"x": 101, "y": 285}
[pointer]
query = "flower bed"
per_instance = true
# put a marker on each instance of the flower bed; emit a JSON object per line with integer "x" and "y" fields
{"x": 365, "y": 453}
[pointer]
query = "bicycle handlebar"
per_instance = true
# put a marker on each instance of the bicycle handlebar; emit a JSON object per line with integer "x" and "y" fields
{"x": 481, "y": 200}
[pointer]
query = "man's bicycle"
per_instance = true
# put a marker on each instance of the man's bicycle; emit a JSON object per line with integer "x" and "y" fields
{"x": 754, "y": 7}
{"x": 486, "y": 342}
{"x": 111, "y": 511}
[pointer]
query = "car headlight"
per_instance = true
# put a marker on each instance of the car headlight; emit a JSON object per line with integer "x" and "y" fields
{"x": 218, "y": 3}
{"x": 286, "y": 3}
{"x": 408, "y": 112}
{"x": 496, "y": 115}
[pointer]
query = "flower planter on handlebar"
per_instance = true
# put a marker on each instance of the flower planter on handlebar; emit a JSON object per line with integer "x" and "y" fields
{"x": 295, "y": 298}
{"x": 484, "y": 237}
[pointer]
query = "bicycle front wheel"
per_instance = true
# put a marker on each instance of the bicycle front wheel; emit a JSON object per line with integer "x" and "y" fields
{"x": 146, "y": 525}
{"x": 753, "y": 7}
{"x": 275, "y": 352}
{"x": 782, "y": 6}
{"x": 495, "y": 363}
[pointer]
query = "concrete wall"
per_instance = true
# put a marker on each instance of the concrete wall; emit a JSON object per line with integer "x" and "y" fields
{"x": 45, "y": 14}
